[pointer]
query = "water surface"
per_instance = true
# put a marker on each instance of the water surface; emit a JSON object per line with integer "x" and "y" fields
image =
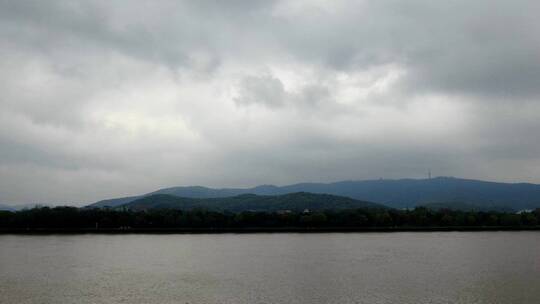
{"x": 439, "y": 267}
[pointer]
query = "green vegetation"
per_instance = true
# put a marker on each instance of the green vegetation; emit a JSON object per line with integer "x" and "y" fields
{"x": 250, "y": 202}
{"x": 75, "y": 218}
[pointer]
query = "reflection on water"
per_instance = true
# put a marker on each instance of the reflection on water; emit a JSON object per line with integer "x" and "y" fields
{"x": 467, "y": 267}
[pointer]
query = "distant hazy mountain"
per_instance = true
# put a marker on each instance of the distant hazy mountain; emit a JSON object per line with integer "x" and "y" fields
{"x": 400, "y": 193}
{"x": 19, "y": 207}
{"x": 246, "y": 202}
{"x": 4, "y": 207}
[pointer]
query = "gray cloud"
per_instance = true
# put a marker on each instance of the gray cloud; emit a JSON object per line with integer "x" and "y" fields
{"x": 109, "y": 98}
{"x": 266, "y": 90}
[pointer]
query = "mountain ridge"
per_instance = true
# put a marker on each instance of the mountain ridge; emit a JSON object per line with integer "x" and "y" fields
{"x": 396, "y": 193}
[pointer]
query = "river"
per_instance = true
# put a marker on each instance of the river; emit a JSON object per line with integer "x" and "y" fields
{"x": 415, "y": 267}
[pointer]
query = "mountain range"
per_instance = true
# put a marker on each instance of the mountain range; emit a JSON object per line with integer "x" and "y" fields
{"x": 394, "y": 193}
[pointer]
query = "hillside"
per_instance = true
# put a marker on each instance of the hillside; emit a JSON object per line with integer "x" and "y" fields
{"x": 400, "y": 193}
{"x": 251, "y": 202}
{"x": 114, "y": 202}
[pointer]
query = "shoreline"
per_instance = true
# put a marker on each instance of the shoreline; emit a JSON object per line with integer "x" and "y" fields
{"x": 46, "y": 231}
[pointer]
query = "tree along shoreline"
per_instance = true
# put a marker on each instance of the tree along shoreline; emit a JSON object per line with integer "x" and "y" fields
{"x": 247, "y": 230}
{"x": 81, "y": 220}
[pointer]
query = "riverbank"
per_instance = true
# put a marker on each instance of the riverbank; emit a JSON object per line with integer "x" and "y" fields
{"x": 261, "y": 230}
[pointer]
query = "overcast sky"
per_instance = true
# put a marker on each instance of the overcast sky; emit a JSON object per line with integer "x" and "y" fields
{"x": 102, "y": 99}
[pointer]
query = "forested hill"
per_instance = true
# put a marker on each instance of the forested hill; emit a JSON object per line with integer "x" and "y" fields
{"x": 399, "y": 193}
{"x": 250, "y": 202}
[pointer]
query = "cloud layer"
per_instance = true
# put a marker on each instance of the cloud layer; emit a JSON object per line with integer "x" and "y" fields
{"x": 111, "y": 98}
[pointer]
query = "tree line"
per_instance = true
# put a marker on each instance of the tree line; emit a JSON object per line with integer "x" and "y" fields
{"x": 80, "y": 218}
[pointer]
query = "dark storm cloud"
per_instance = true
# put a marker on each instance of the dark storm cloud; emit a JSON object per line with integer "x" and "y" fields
{"x": 109, "y": 98}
